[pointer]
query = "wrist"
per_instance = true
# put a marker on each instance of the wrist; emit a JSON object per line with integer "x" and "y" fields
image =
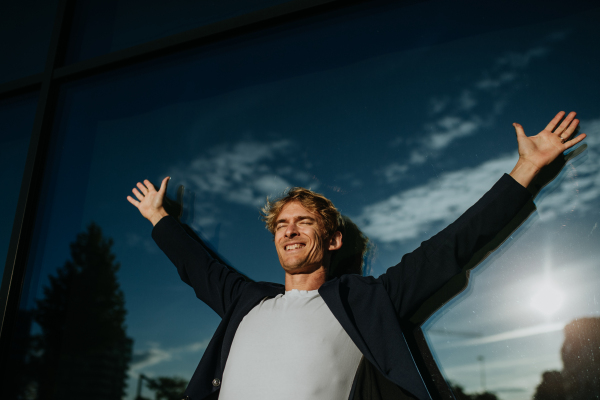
{"x": 157, "y": 216}
{"x": 524, "y": 172}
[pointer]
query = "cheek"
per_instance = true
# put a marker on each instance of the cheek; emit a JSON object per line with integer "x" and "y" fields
{"x": 318, "y": 249}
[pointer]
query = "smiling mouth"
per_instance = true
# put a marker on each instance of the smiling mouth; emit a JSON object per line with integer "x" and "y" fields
{"x": 294, "y": 246}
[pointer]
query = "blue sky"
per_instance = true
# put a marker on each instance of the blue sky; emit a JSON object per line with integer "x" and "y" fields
{"x": 402, "y": 134}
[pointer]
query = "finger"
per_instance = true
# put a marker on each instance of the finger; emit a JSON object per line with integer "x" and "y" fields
{"x": 163, "y": 185}
{"x": 519, "y": 130}
{"x": 142, "y": 188}
{"x": 132, "y": 201}
{"x": 565, "y": 123}
{"x": 569, "y": 131}
{"x": 137, "y": 194}
{"x": 150, "y": 186}
{"x": 550, "y": 127}
{"x": 576, "y": 140}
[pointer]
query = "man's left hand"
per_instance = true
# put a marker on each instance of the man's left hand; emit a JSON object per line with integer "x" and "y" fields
{"x": 535, "y": 152}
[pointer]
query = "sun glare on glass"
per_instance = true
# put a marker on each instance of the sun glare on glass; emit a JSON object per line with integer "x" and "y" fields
{"x": 547, "y": 299}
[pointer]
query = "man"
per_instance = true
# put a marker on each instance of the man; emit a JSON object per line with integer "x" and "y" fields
{"x": 327, "y": 335}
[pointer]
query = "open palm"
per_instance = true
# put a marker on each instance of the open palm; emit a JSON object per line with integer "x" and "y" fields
{"x": 149, "y": 200}
{"x": 543, "y": 148}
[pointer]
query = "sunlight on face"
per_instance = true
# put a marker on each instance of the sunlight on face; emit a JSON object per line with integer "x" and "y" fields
{"x": 547, "y": 299}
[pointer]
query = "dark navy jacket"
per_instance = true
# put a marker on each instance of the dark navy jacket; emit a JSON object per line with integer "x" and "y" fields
{"x": 370, "y": 310}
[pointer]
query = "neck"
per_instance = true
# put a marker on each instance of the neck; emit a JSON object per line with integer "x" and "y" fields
{"x": 310, "y": 281}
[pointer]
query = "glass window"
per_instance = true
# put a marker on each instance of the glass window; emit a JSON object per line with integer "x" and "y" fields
{"x": 101, "y": 27}
{"x": 401, "y": 115}
{"x": 25, "y": 29}
{"x": 16, "y": 122}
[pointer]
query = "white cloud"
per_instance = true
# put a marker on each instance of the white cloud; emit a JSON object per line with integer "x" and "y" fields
{"x": 408, "y": 214}
{"x": 244, "y": 172}
{"x": 155, "y": 355}
{"x": 580, "y": 189}
{"x": 455, "y": 115}
{"x": 438, "y": 104}
{"x": 510, "y": 335}
{"x": 394, "y": 172}
{"x": 448, "y": 129}
{"x": 493, "y": 82}
{"x": 505, "y": 70}
{"x": 135, "y": 240}
{"x": 522, "y": 60}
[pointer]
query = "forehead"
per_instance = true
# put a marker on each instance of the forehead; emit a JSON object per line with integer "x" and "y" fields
{"x": 295, "y": 209}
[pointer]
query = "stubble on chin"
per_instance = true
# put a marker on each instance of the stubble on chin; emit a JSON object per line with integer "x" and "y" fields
{"x": 308, "y": 264}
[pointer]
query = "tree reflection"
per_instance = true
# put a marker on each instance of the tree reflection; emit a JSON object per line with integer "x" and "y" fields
{"x": 580, "y": 377}
{"x": 165, "y": 388}
{"x": 82, "y": 351}
{"x": 459, "y": 394}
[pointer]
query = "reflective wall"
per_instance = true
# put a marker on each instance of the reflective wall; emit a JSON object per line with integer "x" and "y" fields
{"x": 101, "y": 27}
{"x": 401, "y": 114}
{"x": 16, "y": 122}
{"x": 25, "y": 28}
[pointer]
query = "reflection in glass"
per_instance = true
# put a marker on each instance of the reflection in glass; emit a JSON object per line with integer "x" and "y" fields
{"x": 79, "y": 347}
{"x": 580, "y": 375}
{"x": 16, "y": 122}
{"x": 402, "y": 125}
{"x": 25, "y": 29}
{"x": 103, "y": 26}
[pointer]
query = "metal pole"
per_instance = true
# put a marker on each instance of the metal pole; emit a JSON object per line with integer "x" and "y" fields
{"x": 481, "y": 359}
{"x": 138, "y": 395}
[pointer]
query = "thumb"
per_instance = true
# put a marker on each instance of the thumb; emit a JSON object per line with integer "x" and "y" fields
{"x": 519, "y": 130}
{"x": 163, "y": 186}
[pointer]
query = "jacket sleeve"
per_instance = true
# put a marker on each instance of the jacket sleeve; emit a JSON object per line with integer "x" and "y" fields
{"x": 214, "y": 283}
{"x": 423, "y": 271}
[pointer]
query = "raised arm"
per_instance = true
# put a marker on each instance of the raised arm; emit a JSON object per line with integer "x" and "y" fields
{"x": 214, "y": 283}
{"x": 425, "y": 270}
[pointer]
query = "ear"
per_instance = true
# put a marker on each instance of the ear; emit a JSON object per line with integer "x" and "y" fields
{"x": 335, "y": 241}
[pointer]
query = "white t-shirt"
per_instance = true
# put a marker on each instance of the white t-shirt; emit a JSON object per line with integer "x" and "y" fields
{"x": 290, "y": 347}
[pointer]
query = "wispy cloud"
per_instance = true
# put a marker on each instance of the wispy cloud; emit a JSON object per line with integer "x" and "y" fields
{"x": 454, "y": 116}
{"x": 411, "y": 213}
{"x": 496, "y": 81}
{"x": 240, "y": 172}
{"x": 136, "y": 240}
{"x": 510, "y": 335}
{"x": 580, "y": 189}
{"x": 244, "y": 172}
{"x": 522, "y": 60}
{"x": 154, "y": 355}
{"x": 507, "y": 66}
{"x": 449, "y": 128}
{"x": 422, "y": 210}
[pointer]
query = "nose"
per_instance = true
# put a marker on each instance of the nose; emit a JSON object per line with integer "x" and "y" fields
{"x": 291, "y": 231}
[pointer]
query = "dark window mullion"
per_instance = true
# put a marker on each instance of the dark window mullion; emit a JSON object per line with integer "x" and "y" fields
{"x": 21, "y": 85}
{"x": 194, "y": 37}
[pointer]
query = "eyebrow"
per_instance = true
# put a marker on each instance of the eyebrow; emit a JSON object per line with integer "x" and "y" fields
{"x": 300, "y": 218}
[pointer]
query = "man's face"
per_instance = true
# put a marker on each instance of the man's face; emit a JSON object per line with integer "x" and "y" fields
{"x": 300, "y": 247}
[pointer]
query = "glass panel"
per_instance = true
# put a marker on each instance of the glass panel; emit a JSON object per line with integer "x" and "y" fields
{"x": 25, "y": 29}
{"x": 16, "y": 122}
{"x": 104, "y": 26}
{"x": 401, "y": 115}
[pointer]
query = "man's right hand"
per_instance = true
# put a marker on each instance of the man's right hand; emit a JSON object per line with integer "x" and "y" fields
{"x": 150, "y": 201}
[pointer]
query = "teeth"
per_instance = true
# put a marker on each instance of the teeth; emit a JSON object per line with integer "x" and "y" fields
{"x": 294, "y": 246}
